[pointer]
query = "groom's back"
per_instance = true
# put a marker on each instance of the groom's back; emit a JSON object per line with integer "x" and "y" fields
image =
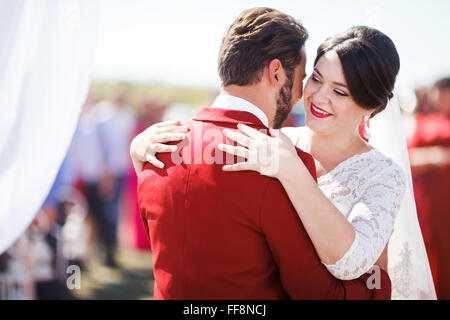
{"x": 205, "y": 224}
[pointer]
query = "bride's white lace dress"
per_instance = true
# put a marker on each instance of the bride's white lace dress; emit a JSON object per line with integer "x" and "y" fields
{"x": 367, "y": 189}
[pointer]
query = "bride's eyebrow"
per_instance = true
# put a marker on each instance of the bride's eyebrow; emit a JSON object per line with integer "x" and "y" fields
{"x": 334, "y": 82}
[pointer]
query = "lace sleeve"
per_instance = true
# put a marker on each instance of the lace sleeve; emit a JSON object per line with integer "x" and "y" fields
{"x": 372, "y": 218}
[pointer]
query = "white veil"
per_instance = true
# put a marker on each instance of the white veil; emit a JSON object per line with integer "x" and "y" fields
{"x": 408, "y": 264}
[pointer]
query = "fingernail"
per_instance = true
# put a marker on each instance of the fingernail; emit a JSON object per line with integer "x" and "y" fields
{"x": 220, "y": 146}
{"x": 225, "y": 168}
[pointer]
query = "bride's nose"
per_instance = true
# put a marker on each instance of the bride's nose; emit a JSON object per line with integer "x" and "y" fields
{"x": 321, "y": 95}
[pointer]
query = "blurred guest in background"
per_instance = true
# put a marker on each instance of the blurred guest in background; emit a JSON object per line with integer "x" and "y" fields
{"x": 116, "y": 128}
{"x": 89, "y": 158}
{"x": 150, "y": 112}
{"x": 16, "y": 271}
{"x": 297, "y": 116}
{"x": 46, "y": 242}
{"x": 429, "y": 147}
{"x": 423, "y": 101}
{"x": 179, "y": 111}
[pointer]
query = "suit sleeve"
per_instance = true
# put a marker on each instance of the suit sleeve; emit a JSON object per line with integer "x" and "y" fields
{"x": 302, "y": 274}
{"x": 140, "y": 195}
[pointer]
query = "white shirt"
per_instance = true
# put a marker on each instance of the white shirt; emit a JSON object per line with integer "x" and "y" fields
{"x": 234, "y": 103}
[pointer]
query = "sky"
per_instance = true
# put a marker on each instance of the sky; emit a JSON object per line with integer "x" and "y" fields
{"x": 177, "y": 42}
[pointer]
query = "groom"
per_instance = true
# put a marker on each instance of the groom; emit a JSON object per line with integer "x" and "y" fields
{"x": 221, "y": 235}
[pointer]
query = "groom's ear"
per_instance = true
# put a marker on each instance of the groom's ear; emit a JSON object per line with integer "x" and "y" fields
{"x": 275, "y": 69}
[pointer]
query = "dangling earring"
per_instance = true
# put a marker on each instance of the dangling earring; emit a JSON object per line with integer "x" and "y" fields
{"x": 366, "y": 128}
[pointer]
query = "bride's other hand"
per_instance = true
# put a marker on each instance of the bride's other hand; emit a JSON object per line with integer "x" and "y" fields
{"x": 270, "y": 156}
{"x": 147, "y": 144}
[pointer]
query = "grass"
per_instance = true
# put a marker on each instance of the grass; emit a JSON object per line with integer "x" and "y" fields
{"x": 131, "y": 280}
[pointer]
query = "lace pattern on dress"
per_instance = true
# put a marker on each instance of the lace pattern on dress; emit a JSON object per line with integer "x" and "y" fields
{"x": 368, "y": 189}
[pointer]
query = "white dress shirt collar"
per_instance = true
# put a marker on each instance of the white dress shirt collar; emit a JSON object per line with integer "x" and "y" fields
{"x": 234, "y": 103}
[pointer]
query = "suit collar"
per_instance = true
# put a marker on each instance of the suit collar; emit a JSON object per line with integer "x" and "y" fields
{"x": 228, "y": 116}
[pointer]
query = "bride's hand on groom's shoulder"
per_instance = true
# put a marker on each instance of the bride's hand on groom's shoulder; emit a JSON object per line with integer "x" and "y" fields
{"x": 271, "y": 156}
{"x": 147, "y": 144}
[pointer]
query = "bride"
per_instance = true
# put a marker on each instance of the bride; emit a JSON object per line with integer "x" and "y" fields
{"x": 352, "y": 212}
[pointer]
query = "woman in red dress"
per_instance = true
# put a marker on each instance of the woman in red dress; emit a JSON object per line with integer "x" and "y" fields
{"x": 429, "y": 148}
{"x": 151, "y": 113}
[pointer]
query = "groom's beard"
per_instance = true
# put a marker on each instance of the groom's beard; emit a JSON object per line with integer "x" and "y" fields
{"x": 283, "y": 104}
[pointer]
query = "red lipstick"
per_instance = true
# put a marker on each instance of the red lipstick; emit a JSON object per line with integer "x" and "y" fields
{"x": 318, "y": 112}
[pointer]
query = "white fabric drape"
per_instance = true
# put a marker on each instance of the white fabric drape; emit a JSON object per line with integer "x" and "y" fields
{"x": 408, "y": 264}
{"x": 46, "y": 50}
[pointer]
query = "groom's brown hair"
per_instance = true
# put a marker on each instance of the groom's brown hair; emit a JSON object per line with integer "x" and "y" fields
{"x": 255, "y": 38}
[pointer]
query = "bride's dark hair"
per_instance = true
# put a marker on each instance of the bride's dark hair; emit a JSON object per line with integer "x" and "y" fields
{"x": 370, "y": 62}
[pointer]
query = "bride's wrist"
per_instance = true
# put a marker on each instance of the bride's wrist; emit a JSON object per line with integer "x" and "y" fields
{"x": 291, "y": 172}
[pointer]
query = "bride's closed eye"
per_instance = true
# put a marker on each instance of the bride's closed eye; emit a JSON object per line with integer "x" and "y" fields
{"x": 341, "y": 93}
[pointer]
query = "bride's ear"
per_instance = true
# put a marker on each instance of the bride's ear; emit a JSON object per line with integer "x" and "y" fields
{"x": 371, "y": 112}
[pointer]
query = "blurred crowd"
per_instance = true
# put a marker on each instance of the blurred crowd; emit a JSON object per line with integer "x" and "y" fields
{"x": 428, "y": 137}
{"x": 92, "y": 210}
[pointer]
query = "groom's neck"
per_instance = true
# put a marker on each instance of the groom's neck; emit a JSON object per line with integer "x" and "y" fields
{"x": 255, "y": 94}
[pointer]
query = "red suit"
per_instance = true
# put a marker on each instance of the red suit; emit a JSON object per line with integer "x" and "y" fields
{"x": 231, "y": 235}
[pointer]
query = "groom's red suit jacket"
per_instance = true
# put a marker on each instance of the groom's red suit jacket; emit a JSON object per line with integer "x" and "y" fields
{"x": 231, "y": 235}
